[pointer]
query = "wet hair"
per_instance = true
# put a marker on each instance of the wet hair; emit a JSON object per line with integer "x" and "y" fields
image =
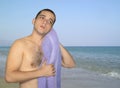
{"x": 49, "y": 10}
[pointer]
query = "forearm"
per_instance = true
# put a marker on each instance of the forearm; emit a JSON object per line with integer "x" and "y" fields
{"x": 20, "y": 76}
{"x": 67, "y": 59}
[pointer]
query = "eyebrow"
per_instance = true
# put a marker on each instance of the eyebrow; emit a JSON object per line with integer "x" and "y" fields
{"x": 41, "y": 15}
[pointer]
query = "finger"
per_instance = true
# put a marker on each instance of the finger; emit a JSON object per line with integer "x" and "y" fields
{"x": 54, "y": 72}
{"x": 52, "y": 65}
{"x": 53, "y": 69}
{"x": 44, "y": 63}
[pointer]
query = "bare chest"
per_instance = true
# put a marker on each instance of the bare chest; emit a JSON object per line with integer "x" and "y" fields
{"x": 32, "y": 58}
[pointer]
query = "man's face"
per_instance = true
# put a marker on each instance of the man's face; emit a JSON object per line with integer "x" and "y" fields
{"x": 44, "y": 22}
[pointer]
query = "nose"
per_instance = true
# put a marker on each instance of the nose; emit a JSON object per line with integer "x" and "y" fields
{"x": 44, "y": 21}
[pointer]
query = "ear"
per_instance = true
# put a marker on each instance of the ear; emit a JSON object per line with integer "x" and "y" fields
{"x": 33, "y": 21}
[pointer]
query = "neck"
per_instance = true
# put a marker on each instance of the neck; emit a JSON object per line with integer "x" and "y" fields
{"x": 37, "y": 38}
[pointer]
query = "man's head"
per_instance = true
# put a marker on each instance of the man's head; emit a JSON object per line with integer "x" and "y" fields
{"x": 44, "y": 21}
{"x": 49, "y": 10}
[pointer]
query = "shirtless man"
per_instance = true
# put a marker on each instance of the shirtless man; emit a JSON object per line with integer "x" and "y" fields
{"x": 25, "y": 54}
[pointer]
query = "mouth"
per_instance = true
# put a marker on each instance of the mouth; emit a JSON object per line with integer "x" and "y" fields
{"x": 42, "y": 27}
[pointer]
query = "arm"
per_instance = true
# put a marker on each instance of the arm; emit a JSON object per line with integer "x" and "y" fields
{"x": 67, "y": 59}
{"x": 14, "y": 60}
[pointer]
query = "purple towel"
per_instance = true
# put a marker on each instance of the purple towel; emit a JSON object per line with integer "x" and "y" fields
{"x": 52, "y": 54}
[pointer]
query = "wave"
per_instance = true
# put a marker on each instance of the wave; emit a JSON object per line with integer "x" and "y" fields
{"x": 113, "y": 74}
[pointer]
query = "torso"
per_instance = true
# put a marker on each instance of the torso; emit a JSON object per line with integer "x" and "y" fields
{"x": 32, "y": 57}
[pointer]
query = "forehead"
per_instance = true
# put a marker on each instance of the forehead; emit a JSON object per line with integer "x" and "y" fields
{"x": 47, "y": 14}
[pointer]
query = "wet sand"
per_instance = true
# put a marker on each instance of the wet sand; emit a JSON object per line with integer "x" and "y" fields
{"x": 85, "y": 79}
{"x": 3, "y": 84}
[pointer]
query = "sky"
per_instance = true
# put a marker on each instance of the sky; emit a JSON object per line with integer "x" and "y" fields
{"x": 79, "y": 22}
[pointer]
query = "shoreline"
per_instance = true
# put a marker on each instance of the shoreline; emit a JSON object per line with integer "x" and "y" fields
{"x": 71, "y": 79}
{"x": 74, "y": 78}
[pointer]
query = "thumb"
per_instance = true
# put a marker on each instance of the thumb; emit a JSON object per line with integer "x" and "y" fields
{"x": 44, "y": 63}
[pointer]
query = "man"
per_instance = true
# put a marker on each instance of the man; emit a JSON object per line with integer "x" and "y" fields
{"x": 25, "y": 55}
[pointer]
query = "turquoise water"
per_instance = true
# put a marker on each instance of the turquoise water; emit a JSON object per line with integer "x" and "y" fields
{"x": 3, "y": 56}
{"x": 103, "y": 60}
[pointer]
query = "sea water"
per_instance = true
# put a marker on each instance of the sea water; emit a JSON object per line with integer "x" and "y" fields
{"x": 3, "y": 56}
{"x": 102, "y": 60}
{"x": 99, "y": 59}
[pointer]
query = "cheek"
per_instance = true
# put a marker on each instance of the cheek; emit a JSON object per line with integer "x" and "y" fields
{"x": 38, "y": 22}
{"x": 48, "y": 28}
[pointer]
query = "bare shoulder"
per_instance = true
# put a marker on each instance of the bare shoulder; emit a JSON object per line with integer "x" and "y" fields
{"x": 19, "y": 44}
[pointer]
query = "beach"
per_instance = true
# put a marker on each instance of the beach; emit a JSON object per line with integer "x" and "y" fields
{"x": 96, "y": 67}
{"x": 85, "y": 79}
{"x": 3, "y": 84}
{"x": 88, "y": 79}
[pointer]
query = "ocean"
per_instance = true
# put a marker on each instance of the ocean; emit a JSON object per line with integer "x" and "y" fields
{"x": 97, "y": 59}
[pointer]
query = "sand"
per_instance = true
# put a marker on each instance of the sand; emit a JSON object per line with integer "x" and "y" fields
{"x": 85, "y": 79}
{"x": 3, "y": 84}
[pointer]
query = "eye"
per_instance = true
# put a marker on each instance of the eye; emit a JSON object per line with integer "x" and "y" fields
{"x": 41, "y": 17}
{"x": 50, "y": 22}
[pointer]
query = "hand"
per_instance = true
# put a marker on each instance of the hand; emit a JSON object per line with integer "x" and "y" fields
{"x": 47, "y": 69}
